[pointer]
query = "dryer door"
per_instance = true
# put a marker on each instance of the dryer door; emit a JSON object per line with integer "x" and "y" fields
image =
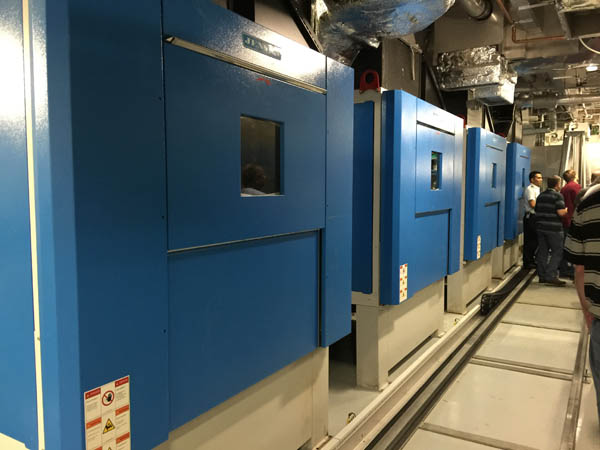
{"x": 246, "y": 202}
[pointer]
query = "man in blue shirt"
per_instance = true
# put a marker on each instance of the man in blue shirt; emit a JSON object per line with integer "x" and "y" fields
{"x": 549, "y": 208}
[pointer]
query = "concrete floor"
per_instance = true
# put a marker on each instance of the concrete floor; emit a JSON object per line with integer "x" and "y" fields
{"x": 346, "y": 398}
{"x": 492, "y": 407}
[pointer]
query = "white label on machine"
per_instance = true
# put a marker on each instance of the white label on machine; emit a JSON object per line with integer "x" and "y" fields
{"x": 107, "y": 416}
{"x": 403, "y": 282}
{"x": 478, "y": 246}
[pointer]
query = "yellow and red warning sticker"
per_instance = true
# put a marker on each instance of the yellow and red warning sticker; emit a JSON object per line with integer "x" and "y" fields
{"x": 403, "y": 282}
{"x": 107, "y": 412}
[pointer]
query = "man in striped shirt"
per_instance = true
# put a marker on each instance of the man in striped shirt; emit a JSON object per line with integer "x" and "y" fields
{"x": 582, "y": 249}
{"x": 549, "y": 208}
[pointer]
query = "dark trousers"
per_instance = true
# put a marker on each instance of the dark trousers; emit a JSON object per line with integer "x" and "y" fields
{"x": 550, "y": 244}
{"x": 565, "y": 269}
{"x": 595, "y": 358}
{"x": 530, "y": 241}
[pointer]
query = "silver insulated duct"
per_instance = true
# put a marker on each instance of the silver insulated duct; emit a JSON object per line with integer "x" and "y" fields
{"x": 483, "y": 70}
{"x": 477, "y": 9}
{"x": 345, "y": 26}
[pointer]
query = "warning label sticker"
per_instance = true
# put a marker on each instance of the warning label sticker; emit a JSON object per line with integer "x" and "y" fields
{"x": 107, "y": 416}
{"x": 403, "y": 282}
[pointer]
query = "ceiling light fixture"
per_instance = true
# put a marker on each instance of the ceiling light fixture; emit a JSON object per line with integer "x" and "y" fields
{"x": 592, "y": 68}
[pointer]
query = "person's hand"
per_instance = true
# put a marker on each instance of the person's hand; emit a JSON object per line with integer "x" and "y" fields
{"x": 588, "y": 319}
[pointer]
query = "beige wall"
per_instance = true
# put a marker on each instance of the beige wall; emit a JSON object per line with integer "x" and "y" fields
{"x": 593, "y": 152}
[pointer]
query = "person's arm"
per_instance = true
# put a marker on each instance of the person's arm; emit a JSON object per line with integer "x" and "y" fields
{"x": 561, "y": 208}
{"x": 580, "y": 287}
{"x": 530, "y": 196}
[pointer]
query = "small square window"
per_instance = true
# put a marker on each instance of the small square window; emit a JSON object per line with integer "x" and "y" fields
{"x": 260, "y": 157}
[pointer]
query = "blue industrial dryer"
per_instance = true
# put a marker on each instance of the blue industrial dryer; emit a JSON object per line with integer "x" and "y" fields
{"x": 518, "y": 166}
{"x": 485, "y": 191}
{"x": 191, "y": 181}
{"x": 419, "y": 212}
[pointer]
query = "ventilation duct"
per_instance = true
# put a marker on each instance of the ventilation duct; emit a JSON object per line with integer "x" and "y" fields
{"x": 473, "y": 67}
{"x": 483, "y": 70}
{"x": 477, "y": 9}
{"x": 345, "y": 26}
{"x": 496, "y": 94}
{"x": 579, "y": 18}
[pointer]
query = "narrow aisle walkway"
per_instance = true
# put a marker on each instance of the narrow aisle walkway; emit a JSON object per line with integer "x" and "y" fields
{"x": 514, "y": 393}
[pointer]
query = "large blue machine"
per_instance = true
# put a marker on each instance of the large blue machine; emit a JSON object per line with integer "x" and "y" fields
{"x": 157, "y": 258}
{"x": 485, "y": 191}
{"x": 518, "y": 166}
{"x": 420, "y": 209}
{"x": 17, "y": 370}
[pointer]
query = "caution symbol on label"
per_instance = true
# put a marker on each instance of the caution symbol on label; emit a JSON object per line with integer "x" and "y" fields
{"x": 108, "y": 427}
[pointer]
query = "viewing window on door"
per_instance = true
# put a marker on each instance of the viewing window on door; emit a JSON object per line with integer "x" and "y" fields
{"x": 260, "y": 157}
{"x": 436, "y": 171}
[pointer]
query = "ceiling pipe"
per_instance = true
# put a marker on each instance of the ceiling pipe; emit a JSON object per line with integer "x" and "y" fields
{"x": 551, "y": 102}
{"x": 477, "y": 9}
{"x": 552, "y": 120}
{"x": 578, "y": 99}
{"x": 507, "y": 15}
{"x": 532, "y": 131}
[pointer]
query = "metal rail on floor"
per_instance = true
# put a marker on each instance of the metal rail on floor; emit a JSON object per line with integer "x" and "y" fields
{"x": 569, "y": 433}
{"x": 401, "y": 406}
{"x": 408, "y": 420}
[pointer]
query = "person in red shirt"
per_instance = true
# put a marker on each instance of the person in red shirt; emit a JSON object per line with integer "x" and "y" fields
{"x": 569, "y": 192}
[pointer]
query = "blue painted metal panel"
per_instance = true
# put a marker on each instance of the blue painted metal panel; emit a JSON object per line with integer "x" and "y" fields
{"x": 120, "y": 205}
{"x": 430, "y": 250}
{"x": 518, "y": 166}
{"x": 18, "y": 409}
{"x": 418, "y": 223}
{"x": 102, "y": 238}
{"x": 227, "y": 336}
{"x": 485, "y": 192}
{"x": 336, "y": 254}
{"x": 203, "y": 161}
{"x": 204, "y": 23}
{"x": 489, "y": 221}
{"x": 456, "y": 214}
{"x": 362, "y": 199}
{"x": 436, "y": 117}
{"x": 52, "y": 149}
{"x": 392, "y": 137}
